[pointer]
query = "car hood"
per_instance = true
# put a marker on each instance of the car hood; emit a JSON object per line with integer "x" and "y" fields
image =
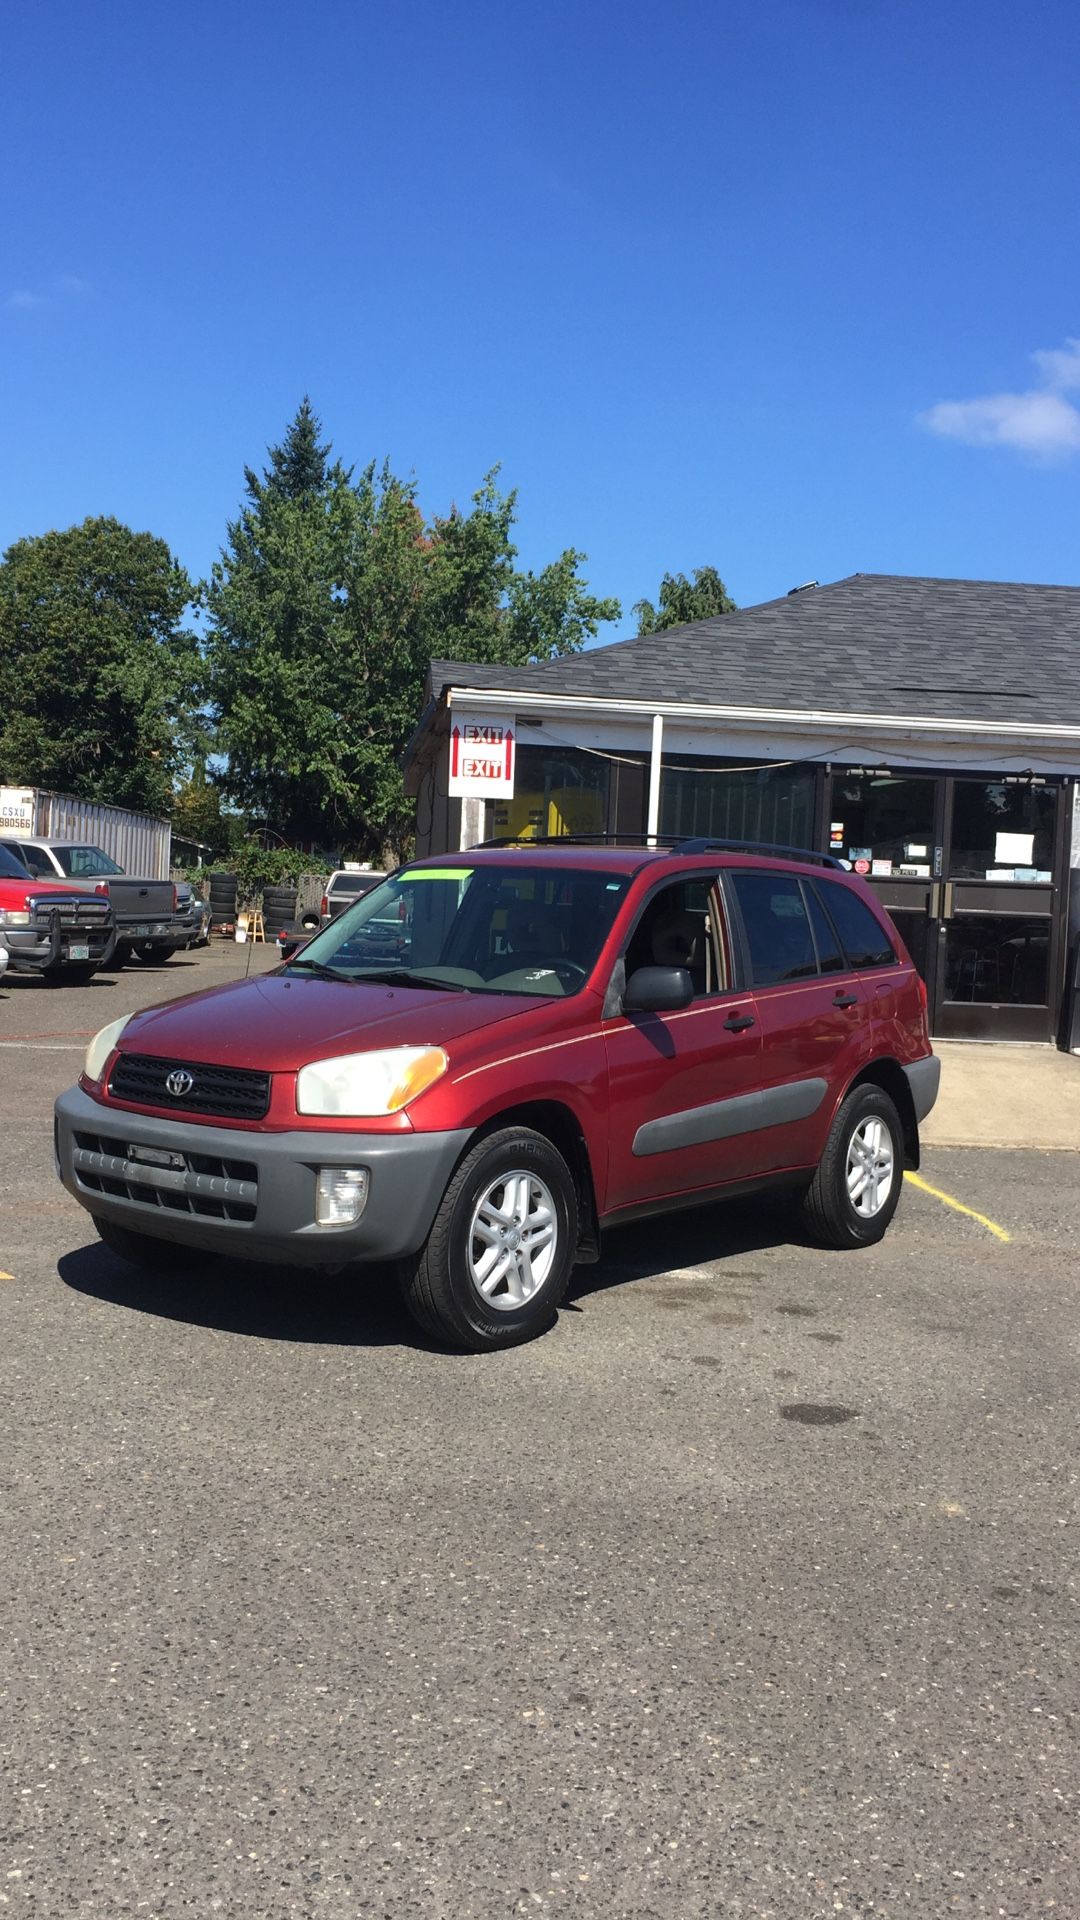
{"x": 15, "y": 892}
{"x": 279, "y": 1023}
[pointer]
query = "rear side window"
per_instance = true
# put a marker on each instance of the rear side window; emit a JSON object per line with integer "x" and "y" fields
{"x": 863, "y": 937}
{"x": 830, "y": 957}
{"x": 777, "y": 925}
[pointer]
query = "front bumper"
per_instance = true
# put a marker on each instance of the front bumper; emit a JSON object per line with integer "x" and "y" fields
{"x": 251, "y": 1195}
{"x": 41, "y": 948}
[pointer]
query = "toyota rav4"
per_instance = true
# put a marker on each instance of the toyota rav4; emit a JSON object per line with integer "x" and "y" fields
{"x": 557, "y": 1039}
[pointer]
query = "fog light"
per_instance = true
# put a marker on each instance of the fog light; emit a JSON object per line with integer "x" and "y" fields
{"x": 340, "y": 1196}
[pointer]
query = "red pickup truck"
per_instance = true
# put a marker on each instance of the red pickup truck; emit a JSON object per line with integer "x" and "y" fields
{"x": 50, "y": 929}
{"x": 494, "y": 1055}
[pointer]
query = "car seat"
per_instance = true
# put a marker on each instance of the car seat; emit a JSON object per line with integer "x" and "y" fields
{"x": 678, "y": 940}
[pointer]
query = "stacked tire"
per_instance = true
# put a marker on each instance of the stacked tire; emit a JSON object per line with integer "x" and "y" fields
{"x": 279, "y": 910}
{"x": 222, "y": 901}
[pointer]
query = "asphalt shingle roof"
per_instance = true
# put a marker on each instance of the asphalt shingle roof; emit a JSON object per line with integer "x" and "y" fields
{"x": 880, "y": 643}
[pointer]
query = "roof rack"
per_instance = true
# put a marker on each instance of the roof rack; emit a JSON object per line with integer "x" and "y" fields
{"x": 656, "y": 840}
{"x": 770, "y": 847}
{"x": 673, "y": 842}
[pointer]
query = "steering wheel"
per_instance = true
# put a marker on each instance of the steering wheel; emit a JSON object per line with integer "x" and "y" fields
{"x": 567, "y": 972}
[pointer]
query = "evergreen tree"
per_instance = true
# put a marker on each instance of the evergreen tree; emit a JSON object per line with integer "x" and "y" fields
{"x": 683, "y": 601}
{"x": 330, "y": 598}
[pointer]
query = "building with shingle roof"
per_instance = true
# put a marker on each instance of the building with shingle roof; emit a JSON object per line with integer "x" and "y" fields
{"x": 871, "y": 716}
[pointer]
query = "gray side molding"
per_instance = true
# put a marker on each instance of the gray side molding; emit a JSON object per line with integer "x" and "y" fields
{"x": 723, "y": 1119}
{"x": 924, "y": 1079}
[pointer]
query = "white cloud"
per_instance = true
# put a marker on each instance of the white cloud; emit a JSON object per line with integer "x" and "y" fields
{"x": 65, "y": 286}
{"x": 1040, "y": 422}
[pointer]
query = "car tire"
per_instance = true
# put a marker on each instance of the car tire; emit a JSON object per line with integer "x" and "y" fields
{"x": 153, "y": 955}
{"x": 478, "y": 1285}
{"x": 121, "y": 955}
{"x": 143, "y": 1250}
{"x": 856, "y": 1189}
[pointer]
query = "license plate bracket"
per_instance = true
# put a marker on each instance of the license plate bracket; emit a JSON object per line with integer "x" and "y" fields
{"x": 78, "y": 952}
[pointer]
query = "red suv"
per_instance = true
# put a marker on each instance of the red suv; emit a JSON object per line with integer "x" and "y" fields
{"x": 495, "y": 1054}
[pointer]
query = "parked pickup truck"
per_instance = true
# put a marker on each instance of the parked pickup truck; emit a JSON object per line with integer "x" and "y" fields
{"x": 150, "y": 920}
{"x": 51, "y": 929}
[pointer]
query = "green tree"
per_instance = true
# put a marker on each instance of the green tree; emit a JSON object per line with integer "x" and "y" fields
{"x": 330, "y": 599}
{"x": 98, "y": 675}
{"x": 683, "y": 601}
{"x": 278, "y": 643}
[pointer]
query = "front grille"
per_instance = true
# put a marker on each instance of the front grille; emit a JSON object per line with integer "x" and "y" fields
{"x": 77, "y": 910}
{"x": 205, "y": 1184}
{"x": 233, "y": 1093}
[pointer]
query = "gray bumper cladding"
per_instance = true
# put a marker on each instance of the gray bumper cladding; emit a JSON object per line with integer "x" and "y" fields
{"x": 924, "y": 1079}
{"x": 246, "y": 1194}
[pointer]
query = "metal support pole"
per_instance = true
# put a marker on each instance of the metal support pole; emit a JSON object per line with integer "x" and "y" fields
{"x": 655, "y": 765}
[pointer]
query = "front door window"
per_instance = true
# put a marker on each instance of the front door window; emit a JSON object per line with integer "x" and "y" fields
{"x": 886, "y": 820}
{"x": 1003, "y": 832}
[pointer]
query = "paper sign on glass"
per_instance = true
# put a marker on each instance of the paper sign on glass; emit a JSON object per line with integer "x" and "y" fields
{"x": 1014, "y": 849}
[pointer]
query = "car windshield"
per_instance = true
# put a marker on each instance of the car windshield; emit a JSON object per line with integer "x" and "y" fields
{"x": 11, "y": 868}
{"x": 491, "y": 929}
{"x": 84, "y": 862}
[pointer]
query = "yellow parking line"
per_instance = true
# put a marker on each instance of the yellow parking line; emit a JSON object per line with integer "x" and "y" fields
{"x": 958, "y": 1206}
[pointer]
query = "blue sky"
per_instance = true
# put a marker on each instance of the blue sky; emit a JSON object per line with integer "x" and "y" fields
{"x": 757, "y": 286}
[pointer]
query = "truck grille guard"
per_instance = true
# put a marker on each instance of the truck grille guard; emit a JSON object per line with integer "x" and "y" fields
{"x": 71, "y": 914}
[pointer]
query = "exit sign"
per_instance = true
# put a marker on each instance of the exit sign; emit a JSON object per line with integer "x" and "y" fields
{"x": 482, "y": 754}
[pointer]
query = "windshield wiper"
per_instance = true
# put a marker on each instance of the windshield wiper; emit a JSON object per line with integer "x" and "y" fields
{"x": 316, "y": 966}
{"x": 405, "y": 977}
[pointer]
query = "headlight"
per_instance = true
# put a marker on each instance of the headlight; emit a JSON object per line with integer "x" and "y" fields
{"x": 102, "y": 1045}
{"x": 14, "y": 918}
{"x": 365, "y": 1084}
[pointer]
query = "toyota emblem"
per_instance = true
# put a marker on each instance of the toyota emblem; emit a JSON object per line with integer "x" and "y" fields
{"x": 179, "y": 1083}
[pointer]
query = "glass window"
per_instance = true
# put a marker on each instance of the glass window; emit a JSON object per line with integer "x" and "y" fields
{"x": 84, "y": 863}
{"x": 777, "y": 927}
{"x": 683, "y": 926}
{"x": 765, "y": 805}
{"x": 993, "y": 959}
{"x": 12, "y": 865}
{"x": 556, "y": 791}
{"x": 1004, "y": 830}
{"x": 883, "y": 816}
{"x": 830, "y": 957}
{"x": 864, "y": 938}
{"x": 488, "y": 929}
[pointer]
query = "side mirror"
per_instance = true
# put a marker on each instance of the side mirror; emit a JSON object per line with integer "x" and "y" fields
{"x": 658, "y": 990}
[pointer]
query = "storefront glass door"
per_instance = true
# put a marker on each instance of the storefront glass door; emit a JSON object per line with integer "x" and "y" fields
{"x": 998, "y": 930}
{"x": 970, "y": 870}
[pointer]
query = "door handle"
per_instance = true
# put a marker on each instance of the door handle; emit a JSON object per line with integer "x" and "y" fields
{"x": 845, "y": 999}
{"x": 735, "y": 1022}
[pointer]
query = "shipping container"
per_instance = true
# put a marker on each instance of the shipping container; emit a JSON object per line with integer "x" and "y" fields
{"x": 136, "y": 841}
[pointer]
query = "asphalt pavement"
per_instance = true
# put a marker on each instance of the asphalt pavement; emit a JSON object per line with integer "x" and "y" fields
{"x": 749, "y": 1590}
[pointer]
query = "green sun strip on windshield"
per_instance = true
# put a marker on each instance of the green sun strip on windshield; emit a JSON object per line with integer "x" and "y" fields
{"x": 436, "y": 873}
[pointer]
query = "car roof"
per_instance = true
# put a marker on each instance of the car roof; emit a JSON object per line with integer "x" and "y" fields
{"x": 46, "y": 840}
